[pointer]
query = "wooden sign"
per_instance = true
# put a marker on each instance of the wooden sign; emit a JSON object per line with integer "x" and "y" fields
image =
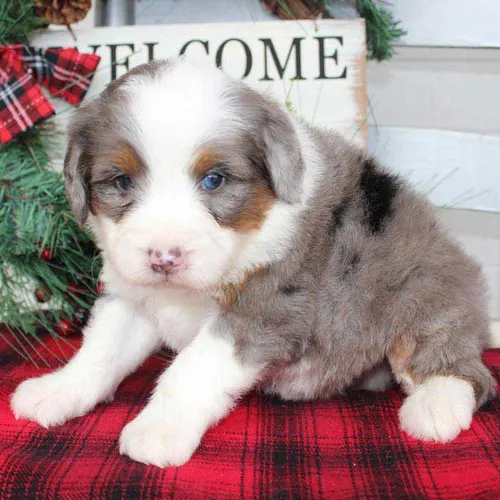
{"x": 316, "y": 68}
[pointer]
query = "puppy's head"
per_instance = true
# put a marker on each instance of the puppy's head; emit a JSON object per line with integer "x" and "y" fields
{"x": 176, "y": 169}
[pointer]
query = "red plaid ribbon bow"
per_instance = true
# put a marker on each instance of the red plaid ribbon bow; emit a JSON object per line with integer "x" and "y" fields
{"x": 65, "y": 72}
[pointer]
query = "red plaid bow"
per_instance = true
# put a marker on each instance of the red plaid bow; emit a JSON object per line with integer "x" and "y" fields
{"x": 65, "y": 72}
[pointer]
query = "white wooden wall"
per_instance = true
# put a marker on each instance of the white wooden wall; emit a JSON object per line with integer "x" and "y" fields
{"x": 434, "y": 108}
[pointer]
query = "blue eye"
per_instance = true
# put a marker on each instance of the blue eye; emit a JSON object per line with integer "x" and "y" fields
{"x": 124, "y": 182}
{"x": 212, "y": 181}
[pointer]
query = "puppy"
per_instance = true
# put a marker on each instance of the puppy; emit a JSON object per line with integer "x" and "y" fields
{"x": 269, "y": 254}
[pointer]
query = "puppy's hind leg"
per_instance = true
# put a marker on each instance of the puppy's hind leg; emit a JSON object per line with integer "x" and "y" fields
{"x": 116, "y": 341}
{"x": 378, "y": 379}
{"x": 443, "y": 390}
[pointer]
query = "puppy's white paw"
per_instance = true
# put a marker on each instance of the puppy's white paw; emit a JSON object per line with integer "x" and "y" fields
{"x": 50, "y": 400}
{"x": 439, "y": 409}
{"x": 157, "y": 438}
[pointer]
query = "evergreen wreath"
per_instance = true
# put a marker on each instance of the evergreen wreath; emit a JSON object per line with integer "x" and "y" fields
{"x": 49, "y": 266}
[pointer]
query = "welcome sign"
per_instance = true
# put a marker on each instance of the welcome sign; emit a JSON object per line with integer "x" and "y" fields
{"x": 316, "y": 68}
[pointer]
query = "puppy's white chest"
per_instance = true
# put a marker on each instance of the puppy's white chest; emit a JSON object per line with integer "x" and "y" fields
{"x": 178, "y": 315}
{"x": 178, "y": 323}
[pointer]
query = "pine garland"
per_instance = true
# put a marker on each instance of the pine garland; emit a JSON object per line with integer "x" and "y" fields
{"x": 49, "y": 265}
{"x": 41, "y": 244}
{"x": 381, "y": 29}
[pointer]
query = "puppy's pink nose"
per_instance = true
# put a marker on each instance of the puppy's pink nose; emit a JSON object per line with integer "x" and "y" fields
{"x": 165, "y": 262}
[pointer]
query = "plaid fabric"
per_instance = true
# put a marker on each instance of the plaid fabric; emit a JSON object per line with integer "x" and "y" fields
{"x": 349, "y": 447}
{"x": 65, "y": 72}
{"x": 22, "y": 103}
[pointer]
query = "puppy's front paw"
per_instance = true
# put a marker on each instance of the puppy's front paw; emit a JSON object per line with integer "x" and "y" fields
{"x": 439, "y": 409}
{"x": 49, "y": 400}
{"x": 155, "y": 438}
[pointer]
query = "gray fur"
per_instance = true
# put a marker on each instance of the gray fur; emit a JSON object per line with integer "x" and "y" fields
{"x": 76, "y": 174}
{"x": 359, "y": 293}
{"x": 275, "y": 145}
{"x": 370, "y": 272}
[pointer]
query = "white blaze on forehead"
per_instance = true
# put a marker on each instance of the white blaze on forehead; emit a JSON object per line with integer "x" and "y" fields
{"x": 172, "y": 114}
{"x": 174, "y": 110}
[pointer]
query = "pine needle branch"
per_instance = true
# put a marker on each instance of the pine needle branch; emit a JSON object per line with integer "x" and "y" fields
{"x": 381, "y": 29}
{"x": 18, "y": 20}
{"x": 41, "y": 245}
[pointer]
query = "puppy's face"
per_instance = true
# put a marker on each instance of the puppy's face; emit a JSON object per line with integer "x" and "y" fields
{"x": 179, "y": 169}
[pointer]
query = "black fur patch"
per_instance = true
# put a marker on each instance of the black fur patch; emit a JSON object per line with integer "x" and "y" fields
{"x": 379, "y": 190}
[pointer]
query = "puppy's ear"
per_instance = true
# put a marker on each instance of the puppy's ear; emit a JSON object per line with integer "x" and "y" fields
{"x": 283, "y": 154}
{"x": 77, "y": 164}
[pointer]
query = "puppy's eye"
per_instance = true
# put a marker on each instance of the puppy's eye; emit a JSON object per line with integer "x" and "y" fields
{"x": 212, "y": 181}
{"x": 124, "y": 182}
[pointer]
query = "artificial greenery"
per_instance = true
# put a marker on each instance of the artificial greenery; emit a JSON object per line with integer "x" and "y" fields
{"x": 46, "y": 257}
{"x": 381, "y": 29}
{"x": 49, "y": 266}
{"x": 18, "y": 20}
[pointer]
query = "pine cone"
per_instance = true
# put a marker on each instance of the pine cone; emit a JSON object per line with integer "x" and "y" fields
{"x": 63, "y": 11}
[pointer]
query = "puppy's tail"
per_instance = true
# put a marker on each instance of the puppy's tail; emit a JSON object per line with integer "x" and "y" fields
{"x": 495, "y": 335}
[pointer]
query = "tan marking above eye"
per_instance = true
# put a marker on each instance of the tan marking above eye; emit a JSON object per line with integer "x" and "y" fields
{"x": 126, "y": 160}
{"x": 205, "y": 161}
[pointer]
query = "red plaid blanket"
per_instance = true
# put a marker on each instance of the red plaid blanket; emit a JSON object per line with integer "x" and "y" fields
{"x": 349, "y": 447}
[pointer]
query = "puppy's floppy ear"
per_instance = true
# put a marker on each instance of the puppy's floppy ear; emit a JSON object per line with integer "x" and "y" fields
{"x": 283, "y": 154}
{"x": 77, "y": 164}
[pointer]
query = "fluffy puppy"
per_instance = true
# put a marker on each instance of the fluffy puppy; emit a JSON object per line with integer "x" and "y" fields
{"x": 267, "y": 253}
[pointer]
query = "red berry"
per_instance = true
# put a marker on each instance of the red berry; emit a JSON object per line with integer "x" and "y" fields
{"x": 74, "y": 289}
{"x": 64, "y": 327}
{"x": 46, "y": 254}
{"x": 42, "y": 294}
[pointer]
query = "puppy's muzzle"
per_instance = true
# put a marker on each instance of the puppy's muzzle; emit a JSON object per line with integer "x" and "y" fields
{"x": 166, "y": 262}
